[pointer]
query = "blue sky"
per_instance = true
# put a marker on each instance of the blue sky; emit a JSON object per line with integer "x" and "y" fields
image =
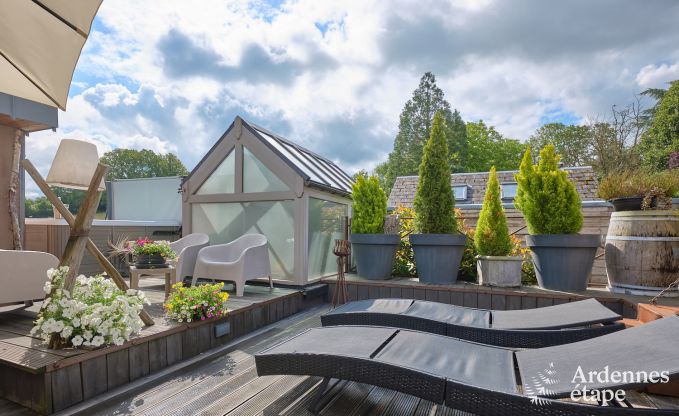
{"x": 171, "y": 75}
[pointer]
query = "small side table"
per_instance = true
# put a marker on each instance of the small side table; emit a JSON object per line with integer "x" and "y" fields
{"x": 169, "y": 272}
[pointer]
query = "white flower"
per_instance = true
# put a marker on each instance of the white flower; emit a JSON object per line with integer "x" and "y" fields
{"x": 52, "y": 308}
{"x": 76, "y": 322}
{"x": 88, "y": 335}
{"x": 47, "y": 287}
{"x": 131, "y": 292}
{"x": 118, "y": 340}
{"x": 98, "y": 340}
{"x": 77, "y": 341}
{"x": 66, "y": 332}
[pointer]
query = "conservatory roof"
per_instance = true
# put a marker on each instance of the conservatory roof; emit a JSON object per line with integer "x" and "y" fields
{"x": 315, "y": 169}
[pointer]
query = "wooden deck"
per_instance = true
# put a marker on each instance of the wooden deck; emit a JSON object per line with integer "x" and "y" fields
{"x": 48, "y": 381}
{"x": 228, "y": 385}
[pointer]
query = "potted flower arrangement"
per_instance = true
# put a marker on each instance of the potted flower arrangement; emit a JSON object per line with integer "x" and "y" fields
{"x": 196, "y": 303}
{"x": 93, "y": 314}
{"x": 372, "y": 250}
{"x": 495, "y": 264}
{"x": 438, "y": 246}
{"x": 150, "y": 254}
{"x": 551, "y": 205}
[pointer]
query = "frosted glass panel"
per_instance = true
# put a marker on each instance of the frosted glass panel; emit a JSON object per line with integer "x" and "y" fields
{"x": 222, "y": 180}
{"x": 326, "y": 224}
{"x": 257, "y": 177}
{"x": 224, "y": 222}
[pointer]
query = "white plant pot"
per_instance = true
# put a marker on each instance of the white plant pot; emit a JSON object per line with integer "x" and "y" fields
{"x": 502, "y": 271}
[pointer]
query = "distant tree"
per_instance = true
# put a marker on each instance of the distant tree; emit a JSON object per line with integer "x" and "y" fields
{"x": 131, "y": 164}
{"x": 487, "y": 147}
{"x": 415, "y": 128}
{"x": 657, "y": 95}
{"x": 662, "y": 137}
{"x": 39, "y": 207}
{"x": 572, "y": 143}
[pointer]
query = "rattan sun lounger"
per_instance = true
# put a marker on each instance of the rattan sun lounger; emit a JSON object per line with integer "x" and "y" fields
{"x": 529, "y": 328}
{"x": 477, "y": 378}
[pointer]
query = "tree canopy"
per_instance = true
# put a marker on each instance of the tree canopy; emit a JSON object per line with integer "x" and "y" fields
{"x": 487, "y": 147}
{"x": 662, "y": 138}
{"x": 131, "y": 164}
{"x": 414, "y": 129}
{"x": 572, "y": 143}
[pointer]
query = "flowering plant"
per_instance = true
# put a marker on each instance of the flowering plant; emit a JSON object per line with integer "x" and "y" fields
{"x": 145, "y": 246}
{"x": 196, "y": 302}
{"x": 95, "y": 313}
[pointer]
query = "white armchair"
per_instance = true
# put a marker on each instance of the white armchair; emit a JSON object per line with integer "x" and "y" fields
{"x": 187, "y": 249}
{"x": 23, "y": 275}
{"x": 243, "y": 259}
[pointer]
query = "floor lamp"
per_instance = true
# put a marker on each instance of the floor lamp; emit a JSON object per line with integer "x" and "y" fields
{"x": 76, "y": 166}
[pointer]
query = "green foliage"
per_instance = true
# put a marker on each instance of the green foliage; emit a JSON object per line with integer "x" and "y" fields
{"x": 489, "y": 148}
{"x": 414, "y": 129}
{"x": 546, "y": 197}
{"x": 131, "y": 164}
{"x": 404, "y": 262}
{"x": 662, "y": 138}
{"x": 144, "y": 246}
{"x": 492, "y": 234}
{"x": 39, "y": 207}
{"x": 572, "y": 143}
{"x": 369, "y": 206}
{"x": 434, "y": 201}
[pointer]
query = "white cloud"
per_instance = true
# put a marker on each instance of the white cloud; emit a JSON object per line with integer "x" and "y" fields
{"x": 334, "y": 75}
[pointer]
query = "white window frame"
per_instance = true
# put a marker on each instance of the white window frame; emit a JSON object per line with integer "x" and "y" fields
{"x": 502, "y": 190}
{"x": 465, "y": 192}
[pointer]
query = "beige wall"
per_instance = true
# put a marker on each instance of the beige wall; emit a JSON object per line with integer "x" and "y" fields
{"x": 6, "y": 153}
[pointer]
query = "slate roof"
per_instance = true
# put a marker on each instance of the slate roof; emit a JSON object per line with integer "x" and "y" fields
{"x": 403, "y": 191}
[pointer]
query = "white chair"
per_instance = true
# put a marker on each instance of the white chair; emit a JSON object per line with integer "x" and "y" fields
{"x": 243, "y": 259}
{"x": 187, "y": 249}
{"x": 23, "y": 275}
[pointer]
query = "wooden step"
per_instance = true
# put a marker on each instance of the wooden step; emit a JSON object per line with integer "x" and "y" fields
{"x": 630, "y": 323}
{"x": 647, "y": 312}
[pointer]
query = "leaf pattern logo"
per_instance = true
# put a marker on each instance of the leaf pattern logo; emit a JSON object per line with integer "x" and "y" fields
{"x": 538, "y": 389}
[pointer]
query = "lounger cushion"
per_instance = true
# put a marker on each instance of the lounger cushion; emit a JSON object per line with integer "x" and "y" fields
{"x": 450, "y": 314}
{"x": 466, "y": 362}
{"x": 649, "y": 347}
{"x": 359, "y": 342}
{"x": 574, "y": 314}
{"x": 391, "y": 306}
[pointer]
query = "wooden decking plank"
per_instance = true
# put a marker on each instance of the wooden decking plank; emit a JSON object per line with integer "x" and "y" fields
{"x": 375, "y": 403}
{"x": 35, "y": 343}
{"x": 402, "y": 405}
{"x": 425, "y": 408}
{"x": 203, "y": 394}
{"x": 224, "y": 403}
{"x": 33, "y": 360}
{"x": 275, "y": 397}
{"x": 346, "y": 400}
{"x": 8, "y": 408}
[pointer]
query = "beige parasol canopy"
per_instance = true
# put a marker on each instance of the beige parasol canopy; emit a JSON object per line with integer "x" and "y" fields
{"x": 40, "y": 42}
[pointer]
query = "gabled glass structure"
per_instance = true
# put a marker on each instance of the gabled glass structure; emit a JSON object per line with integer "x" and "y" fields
{"x": 254, "y": 181}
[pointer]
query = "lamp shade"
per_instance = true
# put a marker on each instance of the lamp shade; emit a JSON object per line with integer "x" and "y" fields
{"x": 74, "y": 165}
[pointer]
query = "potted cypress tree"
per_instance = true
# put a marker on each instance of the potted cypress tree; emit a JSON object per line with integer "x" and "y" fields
{"x": 439, "y": 247}
{"x": 550, "y": 204}
{"x": 373, "y": 251}
{"x": 494, "y": 264}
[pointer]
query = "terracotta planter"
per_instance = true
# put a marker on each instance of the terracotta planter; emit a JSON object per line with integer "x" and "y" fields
{"x": 500, "y": 271}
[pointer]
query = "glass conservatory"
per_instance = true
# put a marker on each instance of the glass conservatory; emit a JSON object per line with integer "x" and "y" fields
{"x": 254, "y": 181}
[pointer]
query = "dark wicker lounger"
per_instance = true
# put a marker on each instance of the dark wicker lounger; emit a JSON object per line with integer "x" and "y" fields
{"x": 477, "y": 378}
{"x": 528, "y": 328}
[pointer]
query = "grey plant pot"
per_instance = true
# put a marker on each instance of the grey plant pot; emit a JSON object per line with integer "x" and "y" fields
{"x": 563, "y": 261}
{"x": 438, "y": 256}
{"x": 501, "y": 271}
{"x": 374, "y": 254}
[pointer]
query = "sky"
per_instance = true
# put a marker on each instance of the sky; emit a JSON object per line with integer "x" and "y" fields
{"x": 333, "y": 76}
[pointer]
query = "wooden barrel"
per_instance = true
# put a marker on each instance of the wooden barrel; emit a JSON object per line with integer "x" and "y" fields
{"x": 639, "y": 250}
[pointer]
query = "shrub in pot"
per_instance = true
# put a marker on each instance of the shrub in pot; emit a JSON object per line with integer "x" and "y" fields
{"x": 635, "y": 190}
{"x": 563, "y": 259}
{"x": 495, "y": 264}
{"x": 438, "y": 247}
{"x": 372, "y": 250}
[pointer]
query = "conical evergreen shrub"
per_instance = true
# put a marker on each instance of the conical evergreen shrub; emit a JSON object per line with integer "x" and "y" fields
{"x": 546, "y": 197}
{"x": 369, "y": 206}
{"x": 492, "y": 234}
{"x": 434, "y": 202}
